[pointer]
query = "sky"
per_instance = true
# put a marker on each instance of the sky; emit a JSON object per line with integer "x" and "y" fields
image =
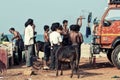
{"x": 14, "y": 13}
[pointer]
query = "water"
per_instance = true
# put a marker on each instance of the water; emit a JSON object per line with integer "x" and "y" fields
{"x": 40, "y": 38}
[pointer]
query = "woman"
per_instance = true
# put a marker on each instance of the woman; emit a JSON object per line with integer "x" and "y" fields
{"x": 29, "y": 42}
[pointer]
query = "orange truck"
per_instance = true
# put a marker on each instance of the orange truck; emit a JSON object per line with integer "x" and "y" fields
{"x": 106, "y": 34}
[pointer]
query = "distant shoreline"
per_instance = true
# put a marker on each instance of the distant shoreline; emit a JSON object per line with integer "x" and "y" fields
{"x": 39, "y": 37}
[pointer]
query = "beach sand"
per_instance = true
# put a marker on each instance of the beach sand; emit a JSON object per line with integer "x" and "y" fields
{"x": 101, "y": 70}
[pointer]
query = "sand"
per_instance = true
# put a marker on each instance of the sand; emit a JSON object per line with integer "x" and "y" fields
{"x": 101, "y": 70}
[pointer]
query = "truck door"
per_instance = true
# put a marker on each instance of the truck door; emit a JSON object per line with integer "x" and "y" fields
{"x": 111, "y": 27}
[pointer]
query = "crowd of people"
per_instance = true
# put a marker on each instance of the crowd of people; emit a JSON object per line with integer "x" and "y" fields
{"x": 55, "y": 36}
{"x": 61, "y": 35}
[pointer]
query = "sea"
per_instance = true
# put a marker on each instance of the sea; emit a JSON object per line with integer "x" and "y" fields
{"x": 40, "y": 38}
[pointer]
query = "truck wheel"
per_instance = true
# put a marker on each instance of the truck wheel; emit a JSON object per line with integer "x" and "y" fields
{"x": 116, "y": 56}
{"x": 109, "y": 53}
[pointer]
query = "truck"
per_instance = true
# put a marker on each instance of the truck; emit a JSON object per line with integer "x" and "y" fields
{"x": 106, "y": 34}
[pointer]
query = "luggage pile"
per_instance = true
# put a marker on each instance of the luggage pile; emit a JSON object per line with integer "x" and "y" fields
{"x": 6, "y": 54}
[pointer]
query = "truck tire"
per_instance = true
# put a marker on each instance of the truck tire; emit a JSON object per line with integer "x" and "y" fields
{"x": 116, "y": 57}
{"x": 109, "y": 57}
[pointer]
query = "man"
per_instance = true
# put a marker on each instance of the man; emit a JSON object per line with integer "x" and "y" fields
{"x": 55, "y": 40}
{"x": 65, "y": 33}
{"x": 65, "y": 28}
{"x": 76, "y": 38}
{"x": 29, "y": 42}
{"x": 4, "y": 38}
{"x": 46, "y": 47}
{"x": 19, "y": 44}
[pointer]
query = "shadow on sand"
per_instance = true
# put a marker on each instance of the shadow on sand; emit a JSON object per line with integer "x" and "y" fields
{"x": 88, "y": 66}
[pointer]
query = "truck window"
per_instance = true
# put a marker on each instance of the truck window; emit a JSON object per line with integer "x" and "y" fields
{"x": 112, "y": 16}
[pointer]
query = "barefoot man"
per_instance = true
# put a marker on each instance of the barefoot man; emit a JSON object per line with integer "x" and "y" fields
{"x": 46, "y": 47}
{"x": 76, "y": 37}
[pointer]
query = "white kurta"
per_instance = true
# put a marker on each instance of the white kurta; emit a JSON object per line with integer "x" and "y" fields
{"x": 29, "y": 35}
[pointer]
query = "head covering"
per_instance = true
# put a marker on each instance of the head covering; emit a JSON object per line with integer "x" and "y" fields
{"x": 29, "y": 22}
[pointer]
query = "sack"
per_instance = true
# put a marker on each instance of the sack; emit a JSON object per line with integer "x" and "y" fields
{"x": 88, "y": 31}
{"x": 90, "y": 17}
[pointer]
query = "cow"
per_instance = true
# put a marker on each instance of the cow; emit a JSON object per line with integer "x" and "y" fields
{"x": 67, "y": 53}
{"x": 39, "y": 47}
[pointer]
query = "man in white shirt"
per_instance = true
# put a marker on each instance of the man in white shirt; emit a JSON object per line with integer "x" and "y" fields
{"x": 55, "y": 41}
{"x": 29, "y": 42}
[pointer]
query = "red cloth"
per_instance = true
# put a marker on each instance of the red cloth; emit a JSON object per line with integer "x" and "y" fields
{"x": 3, "y": 58}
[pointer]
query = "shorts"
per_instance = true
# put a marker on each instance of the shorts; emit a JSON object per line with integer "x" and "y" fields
{"x": 46, "y": 51}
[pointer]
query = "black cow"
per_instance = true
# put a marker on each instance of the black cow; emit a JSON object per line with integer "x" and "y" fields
{"x": 67, "y": 53}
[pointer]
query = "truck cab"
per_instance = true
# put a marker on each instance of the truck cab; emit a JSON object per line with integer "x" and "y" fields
{"x": 106, "y": 36}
